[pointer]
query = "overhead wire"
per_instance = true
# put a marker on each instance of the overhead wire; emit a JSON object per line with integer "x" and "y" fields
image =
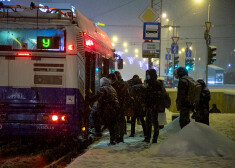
{"x": 112, "y": 9}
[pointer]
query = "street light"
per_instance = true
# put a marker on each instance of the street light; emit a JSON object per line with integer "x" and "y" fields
{"x": 125, "y": 44}
{"x": 115, "y": 39}
{"x": 164, "y": 15}
{"x": 136, "y": 50}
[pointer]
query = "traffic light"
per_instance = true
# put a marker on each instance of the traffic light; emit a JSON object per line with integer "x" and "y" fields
{"x": 170, "y": 67}
{"x": 211, "y": 54}
{"x": 191, "y": 63}
{"x": 187, "y": 64}
{"x": 176, "y": 61}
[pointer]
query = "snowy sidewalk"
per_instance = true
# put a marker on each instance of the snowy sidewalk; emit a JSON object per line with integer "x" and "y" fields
{"x": 196, "y": 145}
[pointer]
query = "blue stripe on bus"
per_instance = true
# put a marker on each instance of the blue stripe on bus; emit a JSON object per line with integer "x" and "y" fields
{"x": 28, "y": 101}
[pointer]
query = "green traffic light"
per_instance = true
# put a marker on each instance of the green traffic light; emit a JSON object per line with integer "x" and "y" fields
{"x": 211, "y": 54}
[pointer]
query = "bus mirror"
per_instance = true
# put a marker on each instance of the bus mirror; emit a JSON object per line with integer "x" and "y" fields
{"x": 120, "y": 63}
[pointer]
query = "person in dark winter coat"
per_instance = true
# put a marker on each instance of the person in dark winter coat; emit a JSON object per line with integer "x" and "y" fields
{"x": 109, "y": 106}
{"x": 182, "y": 102}
{"x": 137, "y": 91}
{"x": 123, "y": 97}
{"x": 153, "y": 105}
{"x": 202, "y": 108}
{"x": 214, "y": 109}
{"x": 134, "y": 80}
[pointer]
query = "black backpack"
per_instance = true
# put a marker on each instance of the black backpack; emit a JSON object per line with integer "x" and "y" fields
{"x": 194, "y": 90}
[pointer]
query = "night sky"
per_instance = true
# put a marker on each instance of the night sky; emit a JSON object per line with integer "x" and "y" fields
{"x": 122, "y": 19}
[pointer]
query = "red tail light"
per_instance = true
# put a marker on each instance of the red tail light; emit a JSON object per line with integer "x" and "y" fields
{"x": 54, "y": 118}
{"x": 23, "y": 54}
{"x": 71, "y": 47}
{"x": 63, "y": 118}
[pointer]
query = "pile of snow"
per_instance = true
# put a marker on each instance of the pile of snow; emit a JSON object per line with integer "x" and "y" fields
{"x": 196, "y": 139}
{"x": 172, "y": 128}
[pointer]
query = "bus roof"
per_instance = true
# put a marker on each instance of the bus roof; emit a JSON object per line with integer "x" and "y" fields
{"x": 84, "y": 23}
{"x": 91, "y": 29}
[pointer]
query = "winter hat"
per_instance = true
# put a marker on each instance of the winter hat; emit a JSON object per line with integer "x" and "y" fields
{"x": 104, "y": 81}
{"x": 135, "y": 76}
{"x": 118, "y": 75}
{"x": 153, "y": 74}
{"x": 180, "y": 72}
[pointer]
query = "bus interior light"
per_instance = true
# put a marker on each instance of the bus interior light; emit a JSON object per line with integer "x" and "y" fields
{"x": 23, "y": 54}
{"x": 71, "y": 47}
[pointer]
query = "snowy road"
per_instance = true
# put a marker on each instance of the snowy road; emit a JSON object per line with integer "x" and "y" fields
{"x": 194, "y": 146}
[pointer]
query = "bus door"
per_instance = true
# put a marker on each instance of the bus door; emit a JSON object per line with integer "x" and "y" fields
{"x": 105, "y": 67}
{"x": 90, "y": 63}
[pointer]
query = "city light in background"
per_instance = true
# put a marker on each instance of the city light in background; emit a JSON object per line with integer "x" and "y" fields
{"x": 164, "y": 15}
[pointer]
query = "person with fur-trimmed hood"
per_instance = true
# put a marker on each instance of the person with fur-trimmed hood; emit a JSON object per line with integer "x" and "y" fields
{"x": 182, "y": 102}
{"x": 109, "y": 106}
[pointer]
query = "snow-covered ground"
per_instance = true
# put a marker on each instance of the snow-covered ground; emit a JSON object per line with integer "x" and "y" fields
{"x": 197, "y": 145}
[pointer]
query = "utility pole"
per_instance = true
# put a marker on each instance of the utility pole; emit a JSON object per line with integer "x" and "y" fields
{"x": 149, "y": 59}
{"x": 158, "y": 7}
{"x": 207, "y": 44}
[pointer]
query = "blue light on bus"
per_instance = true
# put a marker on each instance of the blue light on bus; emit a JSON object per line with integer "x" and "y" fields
{"x": 113, "y": 70}
{"x": 97, "y": 69}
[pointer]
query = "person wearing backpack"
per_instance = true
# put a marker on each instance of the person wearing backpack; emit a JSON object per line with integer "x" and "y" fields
{"x": 154, "y": 103}
{"x": 182, "y": 102}
{"x": 124, "y": 99}
{"x": 202, "y": 108}
{"x": 109, "y": 107}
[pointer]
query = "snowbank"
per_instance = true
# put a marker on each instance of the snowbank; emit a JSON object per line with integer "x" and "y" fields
{"x": 197, "y": 139}
{"x": 196, "y": 143}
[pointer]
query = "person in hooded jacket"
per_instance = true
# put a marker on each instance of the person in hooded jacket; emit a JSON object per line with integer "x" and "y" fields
{"x": 109, "y": 106}
{"x": 182, "y": 102}
{"x": 123, "y": 95}
{"x": 134, "y": 80}
{"x": 137, "y": 91}
{"x": 202, "y": 108}
{"x": 153, "y": 105}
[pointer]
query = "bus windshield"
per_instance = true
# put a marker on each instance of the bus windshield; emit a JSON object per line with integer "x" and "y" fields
{"x": 32, "y": 39}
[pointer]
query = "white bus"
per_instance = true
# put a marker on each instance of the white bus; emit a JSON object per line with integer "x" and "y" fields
{"x": 50, "y": 63}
